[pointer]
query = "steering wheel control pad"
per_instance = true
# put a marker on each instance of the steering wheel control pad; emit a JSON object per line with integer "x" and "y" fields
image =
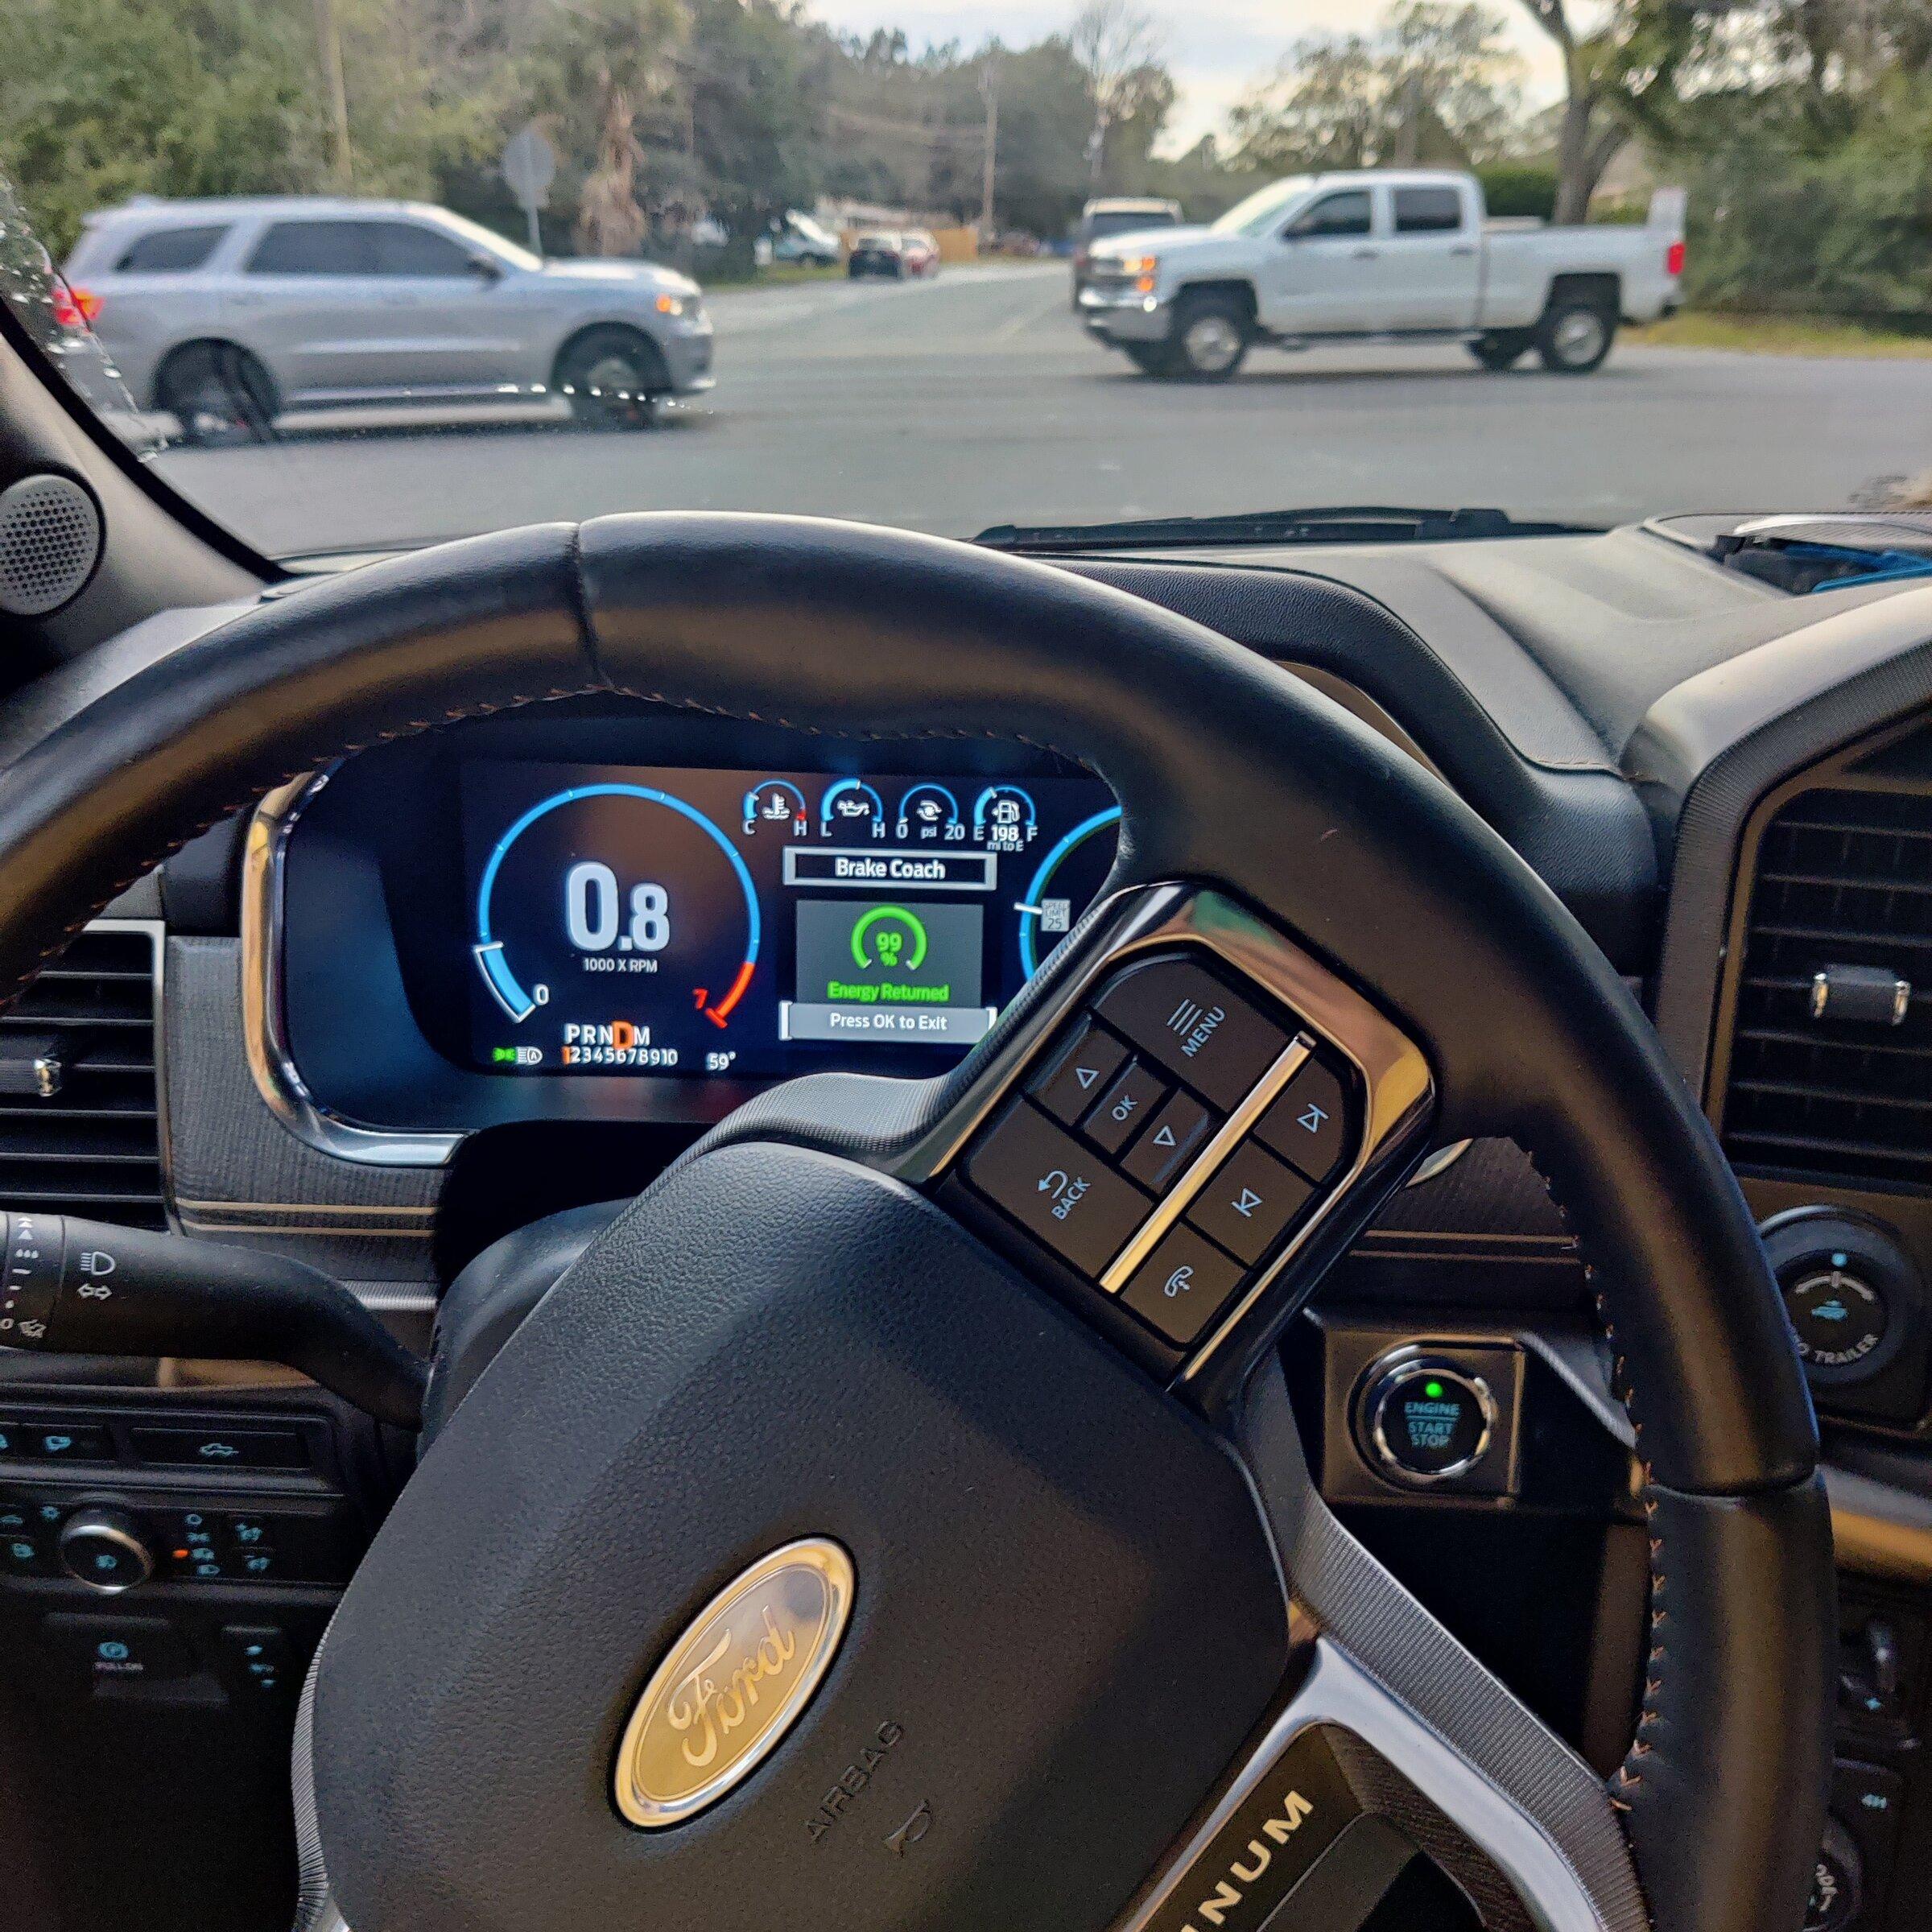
{"x": 1053, "y": 1566}
{"x": 1169, "y": 1137}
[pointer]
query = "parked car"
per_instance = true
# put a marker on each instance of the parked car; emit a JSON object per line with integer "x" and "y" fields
{"x": 1400, "y": 256}
{"x": 225, "y": 313}
{"x": 804, "y": 243}
{"x": 922, "y": 252}
{"x": 877, "y": 251}
{"x": 1103, "y": 220}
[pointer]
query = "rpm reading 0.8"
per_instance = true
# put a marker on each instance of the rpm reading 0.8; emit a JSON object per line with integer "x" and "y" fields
{"x": 616, "y": 925}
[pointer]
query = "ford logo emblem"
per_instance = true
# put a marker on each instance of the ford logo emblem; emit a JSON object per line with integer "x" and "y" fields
{"x": 734, "y": 1683}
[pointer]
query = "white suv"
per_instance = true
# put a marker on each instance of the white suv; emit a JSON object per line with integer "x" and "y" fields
{"x": 224, "y": 313}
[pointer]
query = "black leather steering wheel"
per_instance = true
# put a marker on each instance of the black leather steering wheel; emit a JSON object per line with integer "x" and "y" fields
{"x": 1083, "y": 1595}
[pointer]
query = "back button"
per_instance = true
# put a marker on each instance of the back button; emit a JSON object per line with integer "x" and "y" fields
{"x": 1057, "y": 1189}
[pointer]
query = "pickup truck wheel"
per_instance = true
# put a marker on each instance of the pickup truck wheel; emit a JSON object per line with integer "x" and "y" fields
{"x": 1574, "y": 336}
{"x": 1210, "y": 338}
{"x": 611, "y": 379}
{"x": 1502, "y": 349}
{"x": 220, "y": 394}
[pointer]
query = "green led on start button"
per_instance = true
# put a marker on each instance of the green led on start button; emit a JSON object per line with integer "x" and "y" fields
{"x": 1429, "y": 1421}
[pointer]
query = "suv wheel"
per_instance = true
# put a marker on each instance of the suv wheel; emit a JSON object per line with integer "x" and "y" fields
{"x": 611, "y": 378}
{"x": 220, "y": 394}
{"x": 1574, "y": 336}
{"x": 1210, "y": 338}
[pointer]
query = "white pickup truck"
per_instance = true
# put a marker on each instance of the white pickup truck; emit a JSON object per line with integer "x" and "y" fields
{"x": 1407, "y": 256}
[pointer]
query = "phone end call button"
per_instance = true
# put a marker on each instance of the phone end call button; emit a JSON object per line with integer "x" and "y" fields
{"x": 1182, "y": 1285}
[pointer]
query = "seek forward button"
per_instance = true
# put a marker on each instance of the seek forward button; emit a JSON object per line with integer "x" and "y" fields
{"x": 1057, "y": 1189}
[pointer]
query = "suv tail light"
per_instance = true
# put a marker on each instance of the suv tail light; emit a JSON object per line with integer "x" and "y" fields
{"x": 1673, "y": 259}
{"x": 74, "y": 307}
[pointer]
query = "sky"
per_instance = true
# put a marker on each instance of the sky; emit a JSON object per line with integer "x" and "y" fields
{"x": 1216, "y": 49}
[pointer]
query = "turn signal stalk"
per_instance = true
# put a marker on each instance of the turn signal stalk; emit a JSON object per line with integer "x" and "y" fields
{"x": 85, "y": 1288}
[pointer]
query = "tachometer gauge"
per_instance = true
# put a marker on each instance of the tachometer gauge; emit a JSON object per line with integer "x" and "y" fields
{"x": 616, "y": 925}
{"x": 1068, "y": 879}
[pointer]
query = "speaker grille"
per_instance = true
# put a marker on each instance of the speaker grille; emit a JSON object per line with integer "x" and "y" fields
{"x": 50, "y": 539}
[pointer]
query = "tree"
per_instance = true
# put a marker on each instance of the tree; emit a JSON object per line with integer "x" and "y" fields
{"x": 595, "y": 67}
{"x": 103, "y": 99}
{"x": 1619, "y": 76}
{"x": 1434, "y": 83}
{"x": 1118, "y": 47}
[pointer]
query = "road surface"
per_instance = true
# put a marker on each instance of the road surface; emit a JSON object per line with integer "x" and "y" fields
{"x": 976, "y": 398}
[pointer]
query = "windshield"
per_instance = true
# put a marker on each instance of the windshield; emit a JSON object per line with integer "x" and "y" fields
{"x": 1254, "y": 214}
{"x": 358, "y": 275}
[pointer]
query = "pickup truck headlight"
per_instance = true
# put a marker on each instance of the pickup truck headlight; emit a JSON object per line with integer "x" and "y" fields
{"x": 675, "y": 305}
{"x": 1144, "y": 269}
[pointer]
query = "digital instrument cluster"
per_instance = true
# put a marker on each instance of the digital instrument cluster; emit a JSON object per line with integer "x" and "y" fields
{"x": 710, "y": 922}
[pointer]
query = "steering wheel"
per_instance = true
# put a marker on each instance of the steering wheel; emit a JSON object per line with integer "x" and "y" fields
{"x": 824, "y": 1550}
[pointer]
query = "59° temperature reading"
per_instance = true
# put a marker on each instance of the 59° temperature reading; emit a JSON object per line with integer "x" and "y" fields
{"x": 591, "y": 916}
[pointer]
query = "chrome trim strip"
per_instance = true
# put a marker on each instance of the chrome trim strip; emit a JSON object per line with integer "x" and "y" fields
{"x": 1338, "y": 1691}
{"x": 1879, "y": 1529}
{"x": 1173, "y": 1204}
{"x": 264, "y": 1025}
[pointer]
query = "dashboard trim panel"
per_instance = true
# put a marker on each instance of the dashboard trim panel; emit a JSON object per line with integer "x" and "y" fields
{"x": 264, "y": 1016}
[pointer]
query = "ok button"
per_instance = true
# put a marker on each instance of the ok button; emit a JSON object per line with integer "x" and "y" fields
{"x": 1250, "y": 1202}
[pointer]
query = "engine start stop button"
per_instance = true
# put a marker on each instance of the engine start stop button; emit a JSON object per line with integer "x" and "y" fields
{"x": 1427, "y": 1420}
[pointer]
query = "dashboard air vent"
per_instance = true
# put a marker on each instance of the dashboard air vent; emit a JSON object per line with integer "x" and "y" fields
{"x": 1831, "y": 1071}
{"x": 80, "y": 1131}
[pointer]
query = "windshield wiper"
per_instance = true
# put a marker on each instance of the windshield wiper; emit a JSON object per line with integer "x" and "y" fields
{"x": 1342, "y": 523}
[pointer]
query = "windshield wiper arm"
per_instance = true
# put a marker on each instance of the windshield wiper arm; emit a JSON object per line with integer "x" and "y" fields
{"x": 1340, "y": 524}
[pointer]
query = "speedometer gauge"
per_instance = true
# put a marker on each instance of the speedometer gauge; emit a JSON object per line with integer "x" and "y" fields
{"x": 616, "y": 925}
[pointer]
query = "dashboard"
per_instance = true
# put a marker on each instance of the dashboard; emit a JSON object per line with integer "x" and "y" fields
{"x": 399, "y": 1011}
{"x": 553, "y": 918}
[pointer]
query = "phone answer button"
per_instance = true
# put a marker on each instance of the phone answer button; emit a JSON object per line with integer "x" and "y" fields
{"x": 1182, "y": 1285}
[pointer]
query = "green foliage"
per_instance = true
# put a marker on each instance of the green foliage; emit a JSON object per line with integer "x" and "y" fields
{"x": 1518, "y": 188}
{"x": 1435, "y": 83}
{"x": 103, "y": 99}
{"x": 1785, "y": 218}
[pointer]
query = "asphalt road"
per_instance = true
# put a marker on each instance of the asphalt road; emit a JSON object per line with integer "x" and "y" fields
{"x": 976, "y": 398}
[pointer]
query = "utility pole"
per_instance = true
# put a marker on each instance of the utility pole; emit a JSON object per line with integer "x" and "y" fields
{"x": 989, "y": 86}
{"x": 328, "y": 35}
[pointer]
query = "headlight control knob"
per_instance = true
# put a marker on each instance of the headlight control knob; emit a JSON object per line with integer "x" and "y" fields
{"x": 104, "y": 1549}
{"x": 1851, "y": 1290}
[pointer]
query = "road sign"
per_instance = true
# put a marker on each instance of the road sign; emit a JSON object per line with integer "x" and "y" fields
{"x": 529, "y": 165}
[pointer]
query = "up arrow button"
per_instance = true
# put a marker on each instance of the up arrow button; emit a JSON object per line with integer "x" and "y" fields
{"x": 1065, "y": 1087}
